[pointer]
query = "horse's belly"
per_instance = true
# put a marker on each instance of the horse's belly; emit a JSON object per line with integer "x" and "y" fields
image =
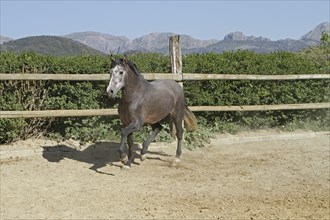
{"x": 155, "y": 115}
{"x": 154, "y": 118}
{"x": 157, "y": 108}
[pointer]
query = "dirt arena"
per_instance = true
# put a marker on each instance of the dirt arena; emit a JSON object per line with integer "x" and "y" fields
{"x": 260, "y": 175}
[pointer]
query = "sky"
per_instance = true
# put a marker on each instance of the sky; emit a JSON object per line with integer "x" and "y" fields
{"x": 204, "y": 20}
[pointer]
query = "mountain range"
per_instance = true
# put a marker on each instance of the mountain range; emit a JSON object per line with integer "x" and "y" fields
{"x": 154, "y": 42}
{"x": 101, "y": 43}
{"x": 49, "y": 45}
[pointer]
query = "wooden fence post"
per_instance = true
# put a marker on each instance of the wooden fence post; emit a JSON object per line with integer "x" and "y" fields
{"x": 175, "y": 54}
{"x": 176, "y": 61}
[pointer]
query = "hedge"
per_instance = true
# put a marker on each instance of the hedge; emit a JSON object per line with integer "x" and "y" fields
{"x": 43, "y": 95}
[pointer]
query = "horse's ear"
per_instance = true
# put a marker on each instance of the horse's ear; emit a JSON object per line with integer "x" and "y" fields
{"x": 125, "y": 60}
{"x": 112, "y": 60}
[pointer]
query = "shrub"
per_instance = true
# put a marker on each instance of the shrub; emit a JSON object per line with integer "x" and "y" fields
{"x": 46, "y": 95}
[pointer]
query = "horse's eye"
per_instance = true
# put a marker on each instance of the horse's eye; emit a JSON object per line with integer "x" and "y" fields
{"x": 121, "y": 73}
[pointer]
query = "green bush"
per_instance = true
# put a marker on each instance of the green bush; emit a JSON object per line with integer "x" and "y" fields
{"x": 11, "y": 129}
{"x": 46, "y": 95}
{"x": 249, "y": 92}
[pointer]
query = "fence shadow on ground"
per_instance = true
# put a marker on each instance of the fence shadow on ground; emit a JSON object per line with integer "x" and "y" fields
{"x": 99, "y": 155}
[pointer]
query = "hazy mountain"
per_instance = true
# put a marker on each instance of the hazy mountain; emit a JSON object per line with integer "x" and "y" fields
{"x": 239, "y": 36}
{"x": 158, "y": 42}
{"x": 315, "y": 34}
{"x": 102, "y": 42}
{"x": 238, "y": 41}
{"x": 52, "y": 45}
{"x": 154, "y": 42}
{"x": 4, "y": 39}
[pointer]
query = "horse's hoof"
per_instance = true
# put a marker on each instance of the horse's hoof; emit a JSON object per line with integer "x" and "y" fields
{"x": 143, "y": 157}
{"x": 175, "y": 162}
{"x": 124, "y": 160}
{"x": 125, "y": 167}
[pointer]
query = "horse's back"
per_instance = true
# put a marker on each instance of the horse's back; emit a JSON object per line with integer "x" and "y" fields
{"x": 169, "y": 85}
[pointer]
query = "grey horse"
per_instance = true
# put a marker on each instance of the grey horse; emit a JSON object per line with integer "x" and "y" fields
{"x": 146, "y": 103}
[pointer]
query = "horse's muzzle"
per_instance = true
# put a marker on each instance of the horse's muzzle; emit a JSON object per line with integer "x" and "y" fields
{"x": 111, "y": 94}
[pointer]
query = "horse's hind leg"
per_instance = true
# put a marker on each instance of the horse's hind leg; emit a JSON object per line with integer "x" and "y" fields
{"x": 156, "y": 128}
{"x": 179, "y": 133}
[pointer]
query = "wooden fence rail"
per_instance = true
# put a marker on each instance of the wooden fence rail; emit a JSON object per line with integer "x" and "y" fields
{"x": 99, "y": 112}
{"x": 154, "y": 76}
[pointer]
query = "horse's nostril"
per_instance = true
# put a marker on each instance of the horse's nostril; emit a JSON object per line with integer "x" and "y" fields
{"x": 111, "y": 91}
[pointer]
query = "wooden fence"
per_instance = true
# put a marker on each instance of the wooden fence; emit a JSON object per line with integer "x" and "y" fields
{"x": 93, "y": 112}
{"x": 154, "y": 76}
{"x": 175, "y": 54}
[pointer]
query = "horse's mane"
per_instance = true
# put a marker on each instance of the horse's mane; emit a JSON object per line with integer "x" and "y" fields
{"x": 133, "y": 67}
{"x": 123, "y": 62}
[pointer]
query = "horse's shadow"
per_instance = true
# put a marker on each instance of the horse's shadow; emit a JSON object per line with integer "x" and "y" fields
{"x": 99, "y": 155}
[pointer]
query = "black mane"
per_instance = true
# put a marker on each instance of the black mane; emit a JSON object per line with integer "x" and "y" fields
{"x": 123, "y": 62}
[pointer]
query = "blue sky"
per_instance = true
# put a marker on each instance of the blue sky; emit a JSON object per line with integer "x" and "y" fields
{"x": 200, "y": 19}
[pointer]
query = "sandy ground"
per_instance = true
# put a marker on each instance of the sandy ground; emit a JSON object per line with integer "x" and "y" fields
{"x": 263, "y": 175}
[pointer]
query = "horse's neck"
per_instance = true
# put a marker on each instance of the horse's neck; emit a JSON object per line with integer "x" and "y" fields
{"x": 136, "y": 85}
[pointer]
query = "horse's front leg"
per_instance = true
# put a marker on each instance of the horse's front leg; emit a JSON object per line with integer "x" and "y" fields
{"x": 127, "y": 133}
{"x": 129, "y": 159}
{"x": 122, "y": 155}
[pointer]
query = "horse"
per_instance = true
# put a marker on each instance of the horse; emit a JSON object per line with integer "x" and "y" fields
{"x": 146, "y": 103}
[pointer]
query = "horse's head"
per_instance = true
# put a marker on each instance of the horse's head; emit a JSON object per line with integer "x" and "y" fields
{"x": 118, "y": 75}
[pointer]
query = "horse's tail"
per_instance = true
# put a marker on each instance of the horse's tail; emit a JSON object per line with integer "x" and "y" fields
{"x": 189, "y": 119}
